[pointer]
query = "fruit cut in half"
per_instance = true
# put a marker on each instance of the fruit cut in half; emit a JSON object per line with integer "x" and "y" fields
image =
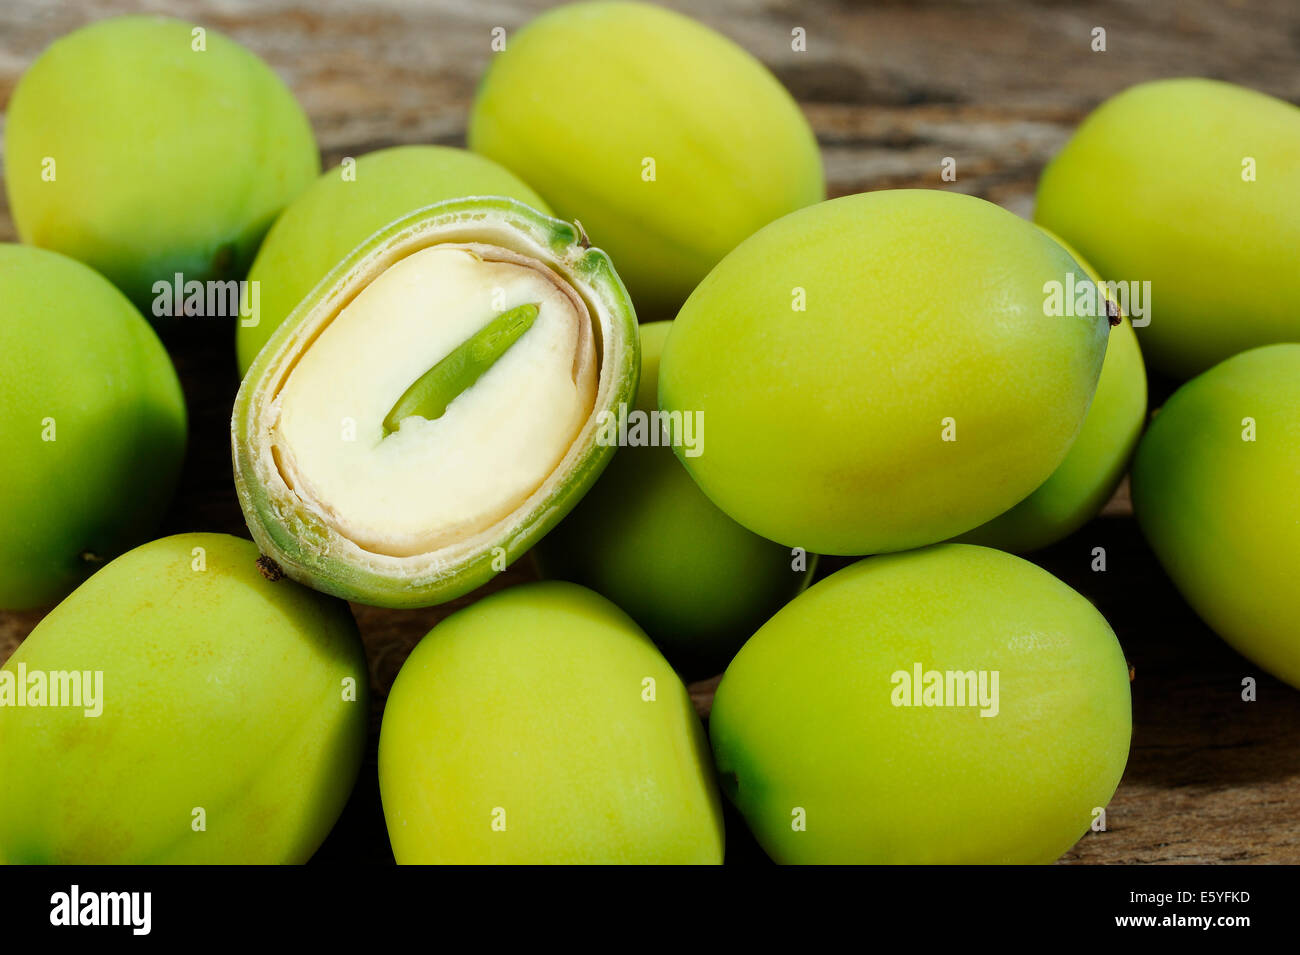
{"x": 432, "y": 407}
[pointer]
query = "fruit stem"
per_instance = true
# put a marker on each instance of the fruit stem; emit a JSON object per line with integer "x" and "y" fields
{"x": 431, "y": 393}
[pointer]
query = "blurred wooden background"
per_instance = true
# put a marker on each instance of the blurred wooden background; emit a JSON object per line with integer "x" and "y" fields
{"x": 891, "y": 89}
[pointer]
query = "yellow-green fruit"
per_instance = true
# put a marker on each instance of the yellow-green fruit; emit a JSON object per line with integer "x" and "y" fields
{"x": 1082, "y": 483}
{"x": 540, "y": 725}
{"x": 192, "y": 712}
{"x": 1216, "y": 489}
{"x": 1194, "y": 186}
{"x": 146, "y": 147}
{"x": 346, "y": 206}
{"x": 647, "y": 538}
{"x": 434, "y": 405}
{"x": 92, "y": 422}
{"x": 882, "y": 371}
{"x": 669, "y": 142}
{"x": 949, "y": 705}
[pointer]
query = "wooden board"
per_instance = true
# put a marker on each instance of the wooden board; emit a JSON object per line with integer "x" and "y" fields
{"x": 891, "y": 89}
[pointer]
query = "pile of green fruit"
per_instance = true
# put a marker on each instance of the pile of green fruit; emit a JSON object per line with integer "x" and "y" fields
{"x": 445, "y": 372}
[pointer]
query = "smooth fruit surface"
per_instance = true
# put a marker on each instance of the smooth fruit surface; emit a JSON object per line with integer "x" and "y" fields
{"x": 880, "y": 372}
{"x": 1216, "y": 489}
{"x": 341, "y": 210}
{"x": 433, "y": 407}
{"x": 836, "y": 755}
{"x": 231, "y": 723}
{"x": 92, "y": 421}
{"x": 647, "y": 538}
{"x": 669, "y": 142}
{"x": 1204, "y": 204}
{"x": 130, "y": 149}
{"x": 540, "y": 725}
{"x": 1082, "y": 484}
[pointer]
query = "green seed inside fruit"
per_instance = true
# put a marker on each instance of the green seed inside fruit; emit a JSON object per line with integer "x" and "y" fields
{"x": 442, "y": 384}
{"x": 433, "y": 407}
{"x": 494, "y": 406}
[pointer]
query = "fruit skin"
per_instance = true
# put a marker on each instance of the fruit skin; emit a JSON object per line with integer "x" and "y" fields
{"x": 167, "y": 160}
{"x": 334, "y": 215}
{"x": 825, "y": 427}
{"x": 804, "y": 715}
{"x": 76, "y": 351}
{"x": 221, "y": 690}
{"x": 1082, "y": 484}
{"x": 1222, "y": 513}
{"x": 302, "y": 544}
{"x": 622, "y": 82}
{"x": 647, "y": 538}
{"x": 530, "y": 702}
{"x": 1219, "y": 251}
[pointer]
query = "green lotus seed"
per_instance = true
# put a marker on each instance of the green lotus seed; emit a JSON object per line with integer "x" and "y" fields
{"x": 442, "y": 384}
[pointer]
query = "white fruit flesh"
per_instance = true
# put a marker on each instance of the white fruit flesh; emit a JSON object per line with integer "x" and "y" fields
{"x": 431, "y": 483}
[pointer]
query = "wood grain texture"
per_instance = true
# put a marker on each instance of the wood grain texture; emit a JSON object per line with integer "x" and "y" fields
{"x": 891, "y": 89}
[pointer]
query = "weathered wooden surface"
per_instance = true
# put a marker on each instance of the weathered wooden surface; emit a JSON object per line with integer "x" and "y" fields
{"x": 891, "y": 90}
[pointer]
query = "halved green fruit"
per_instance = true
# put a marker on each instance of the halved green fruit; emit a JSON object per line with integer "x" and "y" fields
{"x": 403, "y": 436}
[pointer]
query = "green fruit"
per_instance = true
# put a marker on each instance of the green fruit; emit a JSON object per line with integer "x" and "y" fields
{"x": 92, "y": 422}
{"x": 406, "y": 434}
{"x": 540, "y": 725}
{"x": 880, "y": 372}
{"x": 231, "y": 715}
{"x": 131, "y": 150}
{"x": 1216, "y": 489}
{"x": 1156, "y": 186}
{"x": 824, "y": 747}
{"x": 1082, "y": 484}
{"x": 669, "y": 142}
{"x": 336, "y": 214}
{"x": 647, "y": 538}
